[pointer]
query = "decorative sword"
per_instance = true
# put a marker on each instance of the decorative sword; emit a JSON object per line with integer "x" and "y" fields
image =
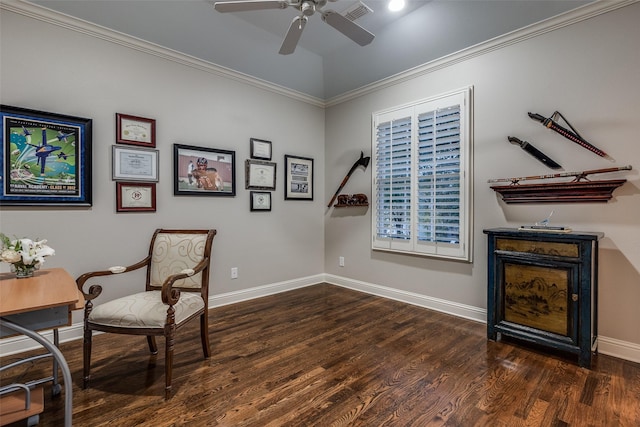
{"x": 534, "y": 152}
{"x": 571, "y": 135}
{"x": 577, "y": 175}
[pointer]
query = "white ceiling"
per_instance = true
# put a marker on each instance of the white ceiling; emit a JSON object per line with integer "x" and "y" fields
{"x": 326, "y": 63}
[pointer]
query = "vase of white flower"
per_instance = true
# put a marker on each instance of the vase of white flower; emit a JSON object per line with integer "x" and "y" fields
{"x": 25, "y": 255}
{"x": 23, "y": 271}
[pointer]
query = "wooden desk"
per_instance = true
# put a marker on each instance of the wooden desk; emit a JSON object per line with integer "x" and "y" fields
{"x": 44, "y": 301}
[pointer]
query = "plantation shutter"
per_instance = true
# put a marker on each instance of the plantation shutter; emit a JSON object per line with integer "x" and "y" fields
{"x": 393, "y": 178}
{"x": 438, "y": 177}
{"x": 421, "y": 179}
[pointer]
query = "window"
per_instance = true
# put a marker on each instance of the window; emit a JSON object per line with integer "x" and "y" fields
{"x": 422, "y": 177}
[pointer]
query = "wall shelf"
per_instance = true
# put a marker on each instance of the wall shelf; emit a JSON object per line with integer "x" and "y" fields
{"x": 561, "y": 192}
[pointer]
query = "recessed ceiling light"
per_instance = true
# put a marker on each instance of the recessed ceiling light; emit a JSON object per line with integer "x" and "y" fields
{"x": 396, "y": 5}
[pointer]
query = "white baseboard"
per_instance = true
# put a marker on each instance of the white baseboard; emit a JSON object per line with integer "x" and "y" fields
{"x": 20, "y": 343}
{"x": 609, "y": 346}
{"x": 263, "y": 291}
{"x": 443, "y": 306}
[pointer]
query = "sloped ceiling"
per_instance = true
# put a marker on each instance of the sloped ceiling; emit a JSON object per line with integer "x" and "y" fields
{"x": 325, "y": 64}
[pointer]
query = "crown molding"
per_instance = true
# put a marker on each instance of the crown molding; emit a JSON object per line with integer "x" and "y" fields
{"x": 49, "y": 16}
{"x": 580, "y": 14}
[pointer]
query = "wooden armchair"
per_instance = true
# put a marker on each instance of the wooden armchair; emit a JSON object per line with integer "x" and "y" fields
{"x": 176, "y": 291}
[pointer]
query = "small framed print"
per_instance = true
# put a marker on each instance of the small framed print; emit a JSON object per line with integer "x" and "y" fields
{"x": 133, "y": 130}
{"x": 260, "y": 201}
{"x": 134, "y": 164}
{"x": 260, "y": 149}
{"x": 298, "y": 178}
{"x": 260, "y": 175}
{"x": 135, "y": 197}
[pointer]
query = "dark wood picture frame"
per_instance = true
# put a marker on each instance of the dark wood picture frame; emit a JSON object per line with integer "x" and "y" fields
{"x": 45, "y": 158}
{"x": 135, "y": 196}
{"x": 260, "y": 175}
{"x": 260, "y": 149}
{"x": 260, "y": 201}
{"x": 135, "y": 130}
{"x": 203, "y": 171}
{"x": 298, "y": 175}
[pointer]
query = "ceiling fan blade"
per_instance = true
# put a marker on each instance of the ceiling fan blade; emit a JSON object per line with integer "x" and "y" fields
{"x": 242, "y": 6}
{"x": 349, "y": 28}
{"x": 293, "y": 35}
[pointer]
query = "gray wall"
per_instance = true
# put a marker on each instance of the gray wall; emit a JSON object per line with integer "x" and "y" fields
{"x": 49, "y": 68}
{"x": 589, "y": 72}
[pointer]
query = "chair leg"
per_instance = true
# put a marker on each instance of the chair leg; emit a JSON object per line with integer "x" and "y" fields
{"x": 153, "y": 347}
{"x": 168, "y": 360}
{"x": 204, "y": 334}
{"x": 86, "y": 353}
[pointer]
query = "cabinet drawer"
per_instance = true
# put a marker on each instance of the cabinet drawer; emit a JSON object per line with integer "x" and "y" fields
{"x": 539, "y": 248}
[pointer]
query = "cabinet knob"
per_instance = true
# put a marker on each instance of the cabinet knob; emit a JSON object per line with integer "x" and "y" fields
{"x": 574, "y": 297}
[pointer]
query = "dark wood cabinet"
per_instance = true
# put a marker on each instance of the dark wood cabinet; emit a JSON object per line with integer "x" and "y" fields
{"x": 543, "y": 288}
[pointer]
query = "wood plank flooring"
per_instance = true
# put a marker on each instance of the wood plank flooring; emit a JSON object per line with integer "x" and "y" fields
{"x": 328, "y": 356}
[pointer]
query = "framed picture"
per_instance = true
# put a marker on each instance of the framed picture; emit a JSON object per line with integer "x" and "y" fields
{"x": 298, "y": 174}
{"x": 45, "y": 158}
{"x": 203, "y": 171}
{"x": 260, "y": 200}
{"x": 135, "y": 196}
{"x": 260, "y": 149}
{"x": 134, "y": 130}
{"x": 260, "y": 175}
{"x": 134, "y": 164}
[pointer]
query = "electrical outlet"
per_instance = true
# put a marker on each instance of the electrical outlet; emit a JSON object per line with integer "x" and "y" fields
{"x": 341, "y": 261}
{"x": 234, "y": 272}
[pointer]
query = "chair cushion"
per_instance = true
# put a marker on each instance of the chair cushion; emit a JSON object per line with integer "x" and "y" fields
{"x": 144, "y": 310}
{"x": 172, "y": 254}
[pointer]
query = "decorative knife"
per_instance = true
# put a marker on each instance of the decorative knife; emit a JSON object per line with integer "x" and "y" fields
{"x": 534, "y": 152}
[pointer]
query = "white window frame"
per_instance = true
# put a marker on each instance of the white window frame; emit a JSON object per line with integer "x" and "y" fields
{"x": 382, "y": 216}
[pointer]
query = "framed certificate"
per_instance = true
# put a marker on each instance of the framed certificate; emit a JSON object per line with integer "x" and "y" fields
{"x": 298, "y": 176}
{"x": 135, "y": 197}
{"x": 260, "y": 149}
{"x": 133, "y": 130}
{"x": 260, "y": 201}
{"x": 135, "y": 164}
{"x": 260, "y": 175}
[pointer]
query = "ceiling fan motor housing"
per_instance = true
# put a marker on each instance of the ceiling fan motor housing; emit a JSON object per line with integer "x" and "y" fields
{"x": 308, "y": 8}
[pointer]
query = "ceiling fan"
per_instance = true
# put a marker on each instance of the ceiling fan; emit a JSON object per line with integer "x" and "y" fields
{"x": 307, "y": 8}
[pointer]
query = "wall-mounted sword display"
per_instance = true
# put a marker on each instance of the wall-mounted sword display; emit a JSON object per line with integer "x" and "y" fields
{"x": 571, "y": 135}
{"x": 578, "y": 176}
{"x": 529, "y": 148}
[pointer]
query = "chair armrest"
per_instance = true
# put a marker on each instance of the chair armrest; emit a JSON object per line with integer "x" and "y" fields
{"x": 171, "y": 296}
{"x": 95, "y": 290}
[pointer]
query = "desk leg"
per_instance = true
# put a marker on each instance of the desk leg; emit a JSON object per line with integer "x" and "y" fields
{"x": 57, "y": 355}
{"x": 55, "y": 390}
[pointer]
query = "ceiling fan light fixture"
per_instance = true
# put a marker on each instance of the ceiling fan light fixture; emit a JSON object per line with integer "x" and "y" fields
{"x": 396, "y": 5}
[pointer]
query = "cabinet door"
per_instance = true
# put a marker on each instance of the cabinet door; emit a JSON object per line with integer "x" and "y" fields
{"x": 538, "y": 296}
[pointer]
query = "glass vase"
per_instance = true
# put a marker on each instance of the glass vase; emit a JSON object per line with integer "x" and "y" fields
{"x": 23, "y": 271}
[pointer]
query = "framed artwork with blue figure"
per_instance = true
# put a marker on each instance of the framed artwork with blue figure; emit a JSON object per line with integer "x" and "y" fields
{"x": 45, "y": 158}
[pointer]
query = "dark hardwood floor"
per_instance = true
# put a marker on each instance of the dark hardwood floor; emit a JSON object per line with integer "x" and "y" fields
{"x": 328, "y": 356}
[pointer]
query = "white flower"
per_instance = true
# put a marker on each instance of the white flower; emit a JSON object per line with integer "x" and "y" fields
{"x": 10, "y": 256}
{"x": 24, "y": 251}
